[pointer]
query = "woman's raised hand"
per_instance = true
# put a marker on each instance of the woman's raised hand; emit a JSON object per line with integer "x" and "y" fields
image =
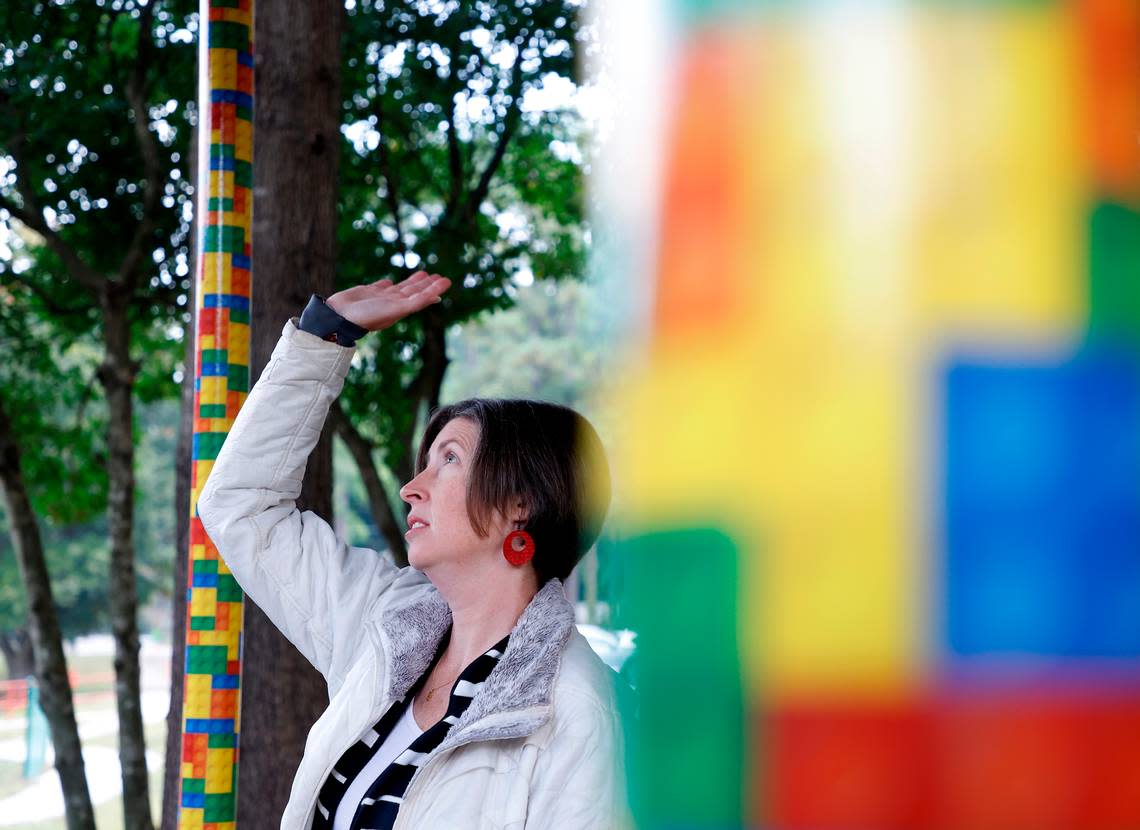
{"x": 377, "y": 305}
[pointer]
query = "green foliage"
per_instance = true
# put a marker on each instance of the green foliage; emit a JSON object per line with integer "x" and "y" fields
{"x": 549, "y": 346}
{"x": 69, "y": 135}
{"x": 75, "y": 542}
{"x": 75, "y": 76}
{"x": 453, "y": 164}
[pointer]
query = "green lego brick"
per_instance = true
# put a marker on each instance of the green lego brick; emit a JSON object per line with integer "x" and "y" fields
{"x": 207, "y": 445}
{"x": 206, "y": 659}
{"x": 228, "y": 239}
{"x": 205, "y": 566}
{"x": 238, "y": 378}
{"x": 227, "y": 34}
{"x": 228, "y": 589}
{"x": 219, "y": 807}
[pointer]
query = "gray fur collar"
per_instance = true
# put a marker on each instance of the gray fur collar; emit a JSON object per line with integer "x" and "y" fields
{"x": 520, "y": 688}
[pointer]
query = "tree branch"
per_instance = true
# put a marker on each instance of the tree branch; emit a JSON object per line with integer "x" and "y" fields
{"x": 130, "y": 267}
{"x": 361, "y": 450}
{"x": 50, "y": 304}
{"x": 454, "y": 158}
{"x": 29, "y": 215}
{"x": 390, "y": 196}
{"x": 510, "y": 125}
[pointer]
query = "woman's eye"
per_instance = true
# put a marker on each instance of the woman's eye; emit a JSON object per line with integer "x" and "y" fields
{"x": 447, "y": 459}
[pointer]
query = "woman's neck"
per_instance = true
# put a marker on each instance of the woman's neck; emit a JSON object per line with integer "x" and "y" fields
{"x": 483, "y": 612}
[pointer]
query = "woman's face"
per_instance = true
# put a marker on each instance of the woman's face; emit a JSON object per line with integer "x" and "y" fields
{"x": 439, "y": 527}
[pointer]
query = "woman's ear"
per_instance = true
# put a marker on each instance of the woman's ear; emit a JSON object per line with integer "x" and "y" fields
{"x": 520, "y": 512}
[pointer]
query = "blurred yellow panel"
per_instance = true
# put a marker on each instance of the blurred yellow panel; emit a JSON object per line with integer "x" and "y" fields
{"x": 835, "y": 590}
{"x": 1001, "y": 210}
{"x": 830, "y": 604}
{"x": 674, "y": 467}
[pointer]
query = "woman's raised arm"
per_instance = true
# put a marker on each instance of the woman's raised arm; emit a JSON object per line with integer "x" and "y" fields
{"x": 311, "y": 584}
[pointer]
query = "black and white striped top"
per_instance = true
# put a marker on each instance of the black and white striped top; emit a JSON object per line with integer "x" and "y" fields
{"x": 381, "y": 802}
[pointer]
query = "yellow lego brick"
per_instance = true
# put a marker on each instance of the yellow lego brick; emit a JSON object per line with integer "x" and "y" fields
{"x": 229, "y": 637}
{"x": 239, "y": 344}
{"x": 243, "y": 141}
{"x": 235, "y": 16}
{"x": 219, "y": 770}
{"x": 212, "y": 390}
{"x": 215, "y": 272}
{"x": 203, "y": 602}
{"x": 197, "y": 704}
{"x": 206, "y": 341}
{"x": 205, "y": 465}
{"x": 222, "y": 68}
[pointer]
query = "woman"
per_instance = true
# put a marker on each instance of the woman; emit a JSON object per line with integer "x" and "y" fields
{"x": 460, "y": 693}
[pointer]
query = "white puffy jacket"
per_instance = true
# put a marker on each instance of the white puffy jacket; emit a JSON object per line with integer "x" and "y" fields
{"x": 539, "y": 747}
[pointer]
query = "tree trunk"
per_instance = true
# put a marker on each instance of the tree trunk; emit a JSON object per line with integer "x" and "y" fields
{"x": 117, "y": 375}
{"x": 362, "y": 453}
{"x": 172, "y": 771}
{"x": 296, "y": 148}
{"x": 47, "y": 643}
{"x": 19, "y": 655}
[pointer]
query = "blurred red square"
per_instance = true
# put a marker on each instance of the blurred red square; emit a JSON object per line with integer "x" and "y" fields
{"x": 1013, "y": 761}
{"x": 847, "y": 765}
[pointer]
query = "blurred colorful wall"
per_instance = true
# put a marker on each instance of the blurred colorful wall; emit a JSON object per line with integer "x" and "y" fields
{"x": 880, "y": 482}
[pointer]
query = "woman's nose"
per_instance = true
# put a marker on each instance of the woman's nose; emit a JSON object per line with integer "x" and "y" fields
{"x": 412, "y": 491}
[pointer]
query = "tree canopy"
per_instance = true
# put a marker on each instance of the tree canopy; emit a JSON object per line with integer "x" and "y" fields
{"x": 463, "y": 158}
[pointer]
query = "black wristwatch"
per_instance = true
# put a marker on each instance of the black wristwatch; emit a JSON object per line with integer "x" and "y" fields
{"x": 320, "y": 320}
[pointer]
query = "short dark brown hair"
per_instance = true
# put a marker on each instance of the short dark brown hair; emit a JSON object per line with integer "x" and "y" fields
{"x": 543, "y": 454}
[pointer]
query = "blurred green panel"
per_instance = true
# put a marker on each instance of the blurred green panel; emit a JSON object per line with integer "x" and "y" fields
{"x": 1114, "y": 272}
{"x": 686, "y": 739}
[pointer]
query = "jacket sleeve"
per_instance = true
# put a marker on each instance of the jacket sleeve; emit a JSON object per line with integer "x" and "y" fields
{"x": 579, "y": 781}
{"x": 311, "y": 584}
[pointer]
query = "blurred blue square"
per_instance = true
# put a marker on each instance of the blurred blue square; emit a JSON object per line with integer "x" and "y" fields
{"x": 1042, "y": 507}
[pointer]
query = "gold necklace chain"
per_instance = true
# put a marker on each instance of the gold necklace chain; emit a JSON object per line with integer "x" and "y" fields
{"x": 435, "y": 689}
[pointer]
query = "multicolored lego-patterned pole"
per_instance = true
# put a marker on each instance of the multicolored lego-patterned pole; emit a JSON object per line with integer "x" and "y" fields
{"x": 210, "y": 711}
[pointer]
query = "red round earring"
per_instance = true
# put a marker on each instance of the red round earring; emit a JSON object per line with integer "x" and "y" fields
{"x": 516, "y": 555}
